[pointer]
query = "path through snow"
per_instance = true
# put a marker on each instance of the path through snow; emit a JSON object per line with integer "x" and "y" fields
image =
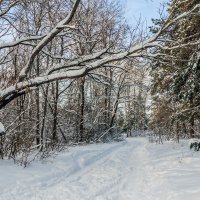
{"x": 128, "y": 170}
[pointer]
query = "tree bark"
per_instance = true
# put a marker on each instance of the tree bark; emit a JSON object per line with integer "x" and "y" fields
{"x": 82, "y": 107}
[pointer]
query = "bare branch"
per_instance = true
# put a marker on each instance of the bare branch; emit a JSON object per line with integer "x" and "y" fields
{"x": 57, "y": 29}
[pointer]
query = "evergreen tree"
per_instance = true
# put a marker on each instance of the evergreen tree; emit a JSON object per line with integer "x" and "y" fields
{"x": 176, "y": 76}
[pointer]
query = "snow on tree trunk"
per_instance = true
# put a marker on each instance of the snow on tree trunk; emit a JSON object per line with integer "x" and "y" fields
{"x": 2, "y": 129}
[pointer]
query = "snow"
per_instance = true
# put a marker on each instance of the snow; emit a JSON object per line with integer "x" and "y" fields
{"x": 72, "y": 73}
{"x": 127, "y": 170}
{"x": 20, "y": 41}
{"x": 57, "y": 29}
{"x": 2, "y": 129}
{"x": 77, "y": 62}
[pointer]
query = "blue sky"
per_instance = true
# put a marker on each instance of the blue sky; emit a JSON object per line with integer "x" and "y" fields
{"x": 147, "y": 9}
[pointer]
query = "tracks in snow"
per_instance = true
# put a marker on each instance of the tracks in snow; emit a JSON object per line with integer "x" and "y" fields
{"x": 119, "y": 171}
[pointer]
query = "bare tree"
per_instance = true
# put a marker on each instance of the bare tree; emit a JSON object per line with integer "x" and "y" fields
{"x": 65, "y": 73}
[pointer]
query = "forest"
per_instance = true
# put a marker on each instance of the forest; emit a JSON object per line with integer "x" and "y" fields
{"x": 76, "y": 73}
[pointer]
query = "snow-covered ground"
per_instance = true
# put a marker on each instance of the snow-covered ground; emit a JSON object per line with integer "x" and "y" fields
{"x": 128, "y": 170}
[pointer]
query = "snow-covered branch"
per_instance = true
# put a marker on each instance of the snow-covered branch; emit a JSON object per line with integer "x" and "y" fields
{"x": 77, "y": 62}
{"x": 17, "y": 89}
{"x": 82, "y": 65}
{"x": 20, "y": 41}
{"x": 57, "y": 29}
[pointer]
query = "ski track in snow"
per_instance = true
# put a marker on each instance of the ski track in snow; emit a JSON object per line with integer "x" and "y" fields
{"x": 128, "y": 170}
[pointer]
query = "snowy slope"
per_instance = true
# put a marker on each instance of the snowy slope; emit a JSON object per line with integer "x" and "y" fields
{"x": 128, "y": 170}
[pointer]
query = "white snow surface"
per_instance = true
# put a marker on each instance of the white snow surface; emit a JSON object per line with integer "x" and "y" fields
{"x": 130, "y": 170}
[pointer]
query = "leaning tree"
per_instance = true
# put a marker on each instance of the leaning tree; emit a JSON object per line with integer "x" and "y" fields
{"x": 78, "y": 65}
